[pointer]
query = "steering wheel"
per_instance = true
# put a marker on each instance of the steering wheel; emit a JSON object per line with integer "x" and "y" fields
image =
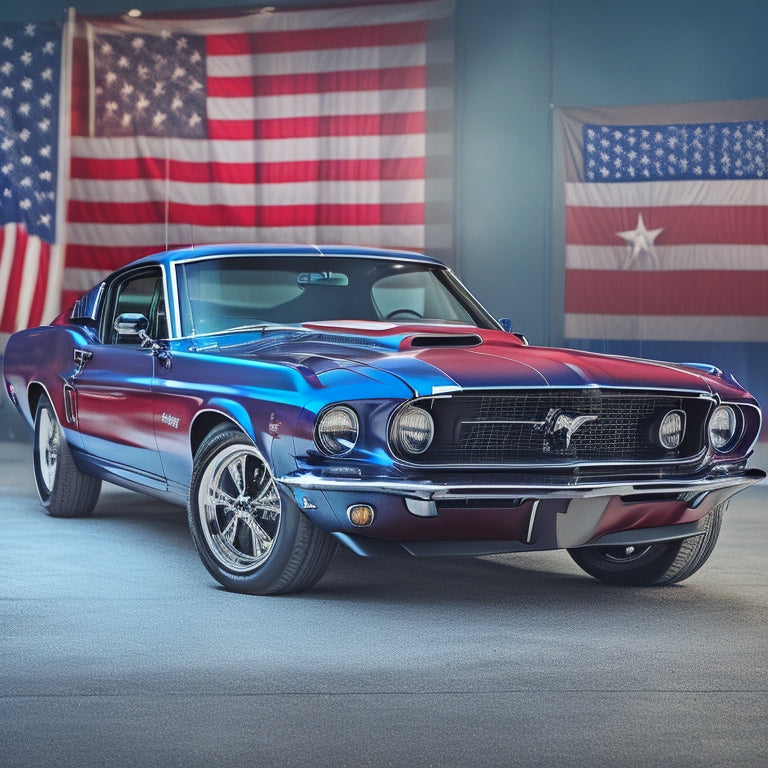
{"x": 411, "y": 312}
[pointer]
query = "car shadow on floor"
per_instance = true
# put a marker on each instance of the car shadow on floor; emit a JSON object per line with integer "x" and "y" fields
{"x": 499, "y": 581}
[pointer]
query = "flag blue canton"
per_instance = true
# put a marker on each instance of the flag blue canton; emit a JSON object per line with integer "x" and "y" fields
{"x": 30, "y": 56}
{"x": 619, "y": 153}
{"x": 150, "y": 85}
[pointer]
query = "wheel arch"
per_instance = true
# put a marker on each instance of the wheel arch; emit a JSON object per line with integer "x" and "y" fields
{"x": 35, "y": 392}
{"x": 253, "y": 420}
{"x": 209, "y": 421}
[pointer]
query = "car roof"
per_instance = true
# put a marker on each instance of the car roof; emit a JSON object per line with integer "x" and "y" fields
{"x": 166, "y": 258}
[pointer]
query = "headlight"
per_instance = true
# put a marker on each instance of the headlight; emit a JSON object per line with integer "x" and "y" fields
{"x": 337, "y": 430}
{"x": 671, "y": 429}
{"x": 412, "y": 430}
{"x": 723, "y": 428}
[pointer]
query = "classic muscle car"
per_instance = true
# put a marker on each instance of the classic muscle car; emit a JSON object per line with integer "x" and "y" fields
{"x": 298, "y": 398}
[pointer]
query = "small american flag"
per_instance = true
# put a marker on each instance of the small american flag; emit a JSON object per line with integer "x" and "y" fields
{"x": 30, "y": 62}
{"x": 324, "y": 124}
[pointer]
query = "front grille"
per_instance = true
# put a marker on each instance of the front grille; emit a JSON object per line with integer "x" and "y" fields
{"x": 558, "y": 426}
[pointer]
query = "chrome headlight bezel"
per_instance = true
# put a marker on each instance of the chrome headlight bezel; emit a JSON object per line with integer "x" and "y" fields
{"x": 337, "y": 430}
{"x": 411, "y": 431}
{"x": 725, "y": 427}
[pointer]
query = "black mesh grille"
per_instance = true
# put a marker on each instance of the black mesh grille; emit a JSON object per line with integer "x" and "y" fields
{"x": 535, "y": 426}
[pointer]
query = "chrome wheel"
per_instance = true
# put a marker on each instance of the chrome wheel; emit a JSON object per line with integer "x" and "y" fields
{"x": 48, "y": 439}
{"x": 240, "y": 509}
{"x": 251, "y": 536}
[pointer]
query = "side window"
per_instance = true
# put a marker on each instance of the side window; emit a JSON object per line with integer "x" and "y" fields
{"x": 142, "y": 294}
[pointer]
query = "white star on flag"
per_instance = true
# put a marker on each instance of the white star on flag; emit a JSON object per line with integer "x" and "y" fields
{"x": 641, "y": 240}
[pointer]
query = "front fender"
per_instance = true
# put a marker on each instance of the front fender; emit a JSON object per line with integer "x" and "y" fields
{"x": 270, "y": 425}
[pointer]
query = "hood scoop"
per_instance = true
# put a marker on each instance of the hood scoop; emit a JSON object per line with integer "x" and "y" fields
{"x": 443, "y": 340}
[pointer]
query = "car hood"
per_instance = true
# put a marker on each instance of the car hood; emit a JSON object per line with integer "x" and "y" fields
{"x": 433, "y": 359}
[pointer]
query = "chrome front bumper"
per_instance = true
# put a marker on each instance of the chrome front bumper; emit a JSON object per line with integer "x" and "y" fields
{"x": 555, "y": 516}
{"x": 437, "y": 491}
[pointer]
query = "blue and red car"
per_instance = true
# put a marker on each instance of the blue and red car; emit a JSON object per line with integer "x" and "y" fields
{"x": 298, "y": 398}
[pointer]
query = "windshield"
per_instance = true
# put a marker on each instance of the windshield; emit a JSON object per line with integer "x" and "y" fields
{"x": 226, "y": 293}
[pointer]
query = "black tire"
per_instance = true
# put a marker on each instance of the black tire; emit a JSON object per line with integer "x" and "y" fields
{"x": 251, "y": 535}
{"x": 63, "y": 489}
{"x": 652, "y": 564}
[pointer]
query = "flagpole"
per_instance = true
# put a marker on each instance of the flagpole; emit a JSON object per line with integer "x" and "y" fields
{"x": 52, "y": 306}
{"x": 167, "y": 190}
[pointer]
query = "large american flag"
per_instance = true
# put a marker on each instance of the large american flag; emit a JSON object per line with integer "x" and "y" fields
{"x": 667, "y": 222}
{"x": 30, "y": 66}
{"x": 326, "y": 125}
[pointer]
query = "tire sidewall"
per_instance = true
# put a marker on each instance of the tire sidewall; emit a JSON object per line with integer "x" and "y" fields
{"x": 662, "y": 564}
{"x": 642, "y": 570}
{"x": 73, "y": 493}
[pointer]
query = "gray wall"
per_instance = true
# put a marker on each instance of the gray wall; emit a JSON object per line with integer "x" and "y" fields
{"x": 516, "y": 61}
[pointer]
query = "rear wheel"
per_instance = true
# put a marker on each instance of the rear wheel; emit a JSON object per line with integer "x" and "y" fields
{"x": 652, "y": 564}
{"x": 64, "y": 490}
{"x": 251, "y": 536}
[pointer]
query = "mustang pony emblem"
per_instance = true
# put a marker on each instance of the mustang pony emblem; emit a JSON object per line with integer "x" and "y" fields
{"x": 559, "y": 426}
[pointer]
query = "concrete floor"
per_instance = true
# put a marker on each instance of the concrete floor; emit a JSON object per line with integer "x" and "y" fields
{"x": 117, "y": 649}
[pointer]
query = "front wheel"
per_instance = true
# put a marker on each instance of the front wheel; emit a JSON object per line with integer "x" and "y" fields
{"x": 63, "y": 489}
{"x": 652, "y": 564}
{"x": 250, "y": 535}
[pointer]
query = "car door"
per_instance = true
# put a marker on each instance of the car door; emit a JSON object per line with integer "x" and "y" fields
{"x": 113, "y": 390}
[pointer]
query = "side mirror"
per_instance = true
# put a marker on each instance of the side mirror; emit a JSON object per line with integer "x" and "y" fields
{"x": 506, "y": 325}
{"x": 130, "y": 324}
{"x": 135, "y": 324}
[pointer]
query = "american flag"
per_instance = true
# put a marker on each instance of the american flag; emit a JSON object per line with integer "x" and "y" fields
{"x": 667, "y": 223}
{"x": 326, "y": 125}
{"x": 30, "y": 66}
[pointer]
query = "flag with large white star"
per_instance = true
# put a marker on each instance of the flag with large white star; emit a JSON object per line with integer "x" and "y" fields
{"x": 666, "y": 222}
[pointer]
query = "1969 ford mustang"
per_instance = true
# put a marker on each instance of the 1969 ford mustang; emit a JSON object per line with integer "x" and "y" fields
{"x": 298, "y": 398}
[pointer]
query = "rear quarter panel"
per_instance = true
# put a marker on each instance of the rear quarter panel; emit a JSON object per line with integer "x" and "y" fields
{"x": 41, "y": 359}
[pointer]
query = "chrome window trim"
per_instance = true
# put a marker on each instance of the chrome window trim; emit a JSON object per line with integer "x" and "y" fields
{"x": 312, "y": 252}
